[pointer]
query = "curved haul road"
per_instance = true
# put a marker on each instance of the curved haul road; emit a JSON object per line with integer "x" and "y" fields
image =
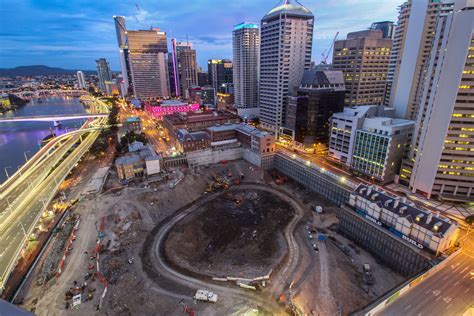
{"x": 153, "y": 261}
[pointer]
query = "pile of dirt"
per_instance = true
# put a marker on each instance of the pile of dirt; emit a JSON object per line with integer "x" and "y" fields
{"x": 237, "y": 234}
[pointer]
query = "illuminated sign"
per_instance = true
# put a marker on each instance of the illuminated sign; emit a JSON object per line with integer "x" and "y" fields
{"x": 411, "y": 241}
{"x": 245, "y": 26}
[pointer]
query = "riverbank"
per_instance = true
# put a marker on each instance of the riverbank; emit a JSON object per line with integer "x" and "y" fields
{"x": 13, "y": 103}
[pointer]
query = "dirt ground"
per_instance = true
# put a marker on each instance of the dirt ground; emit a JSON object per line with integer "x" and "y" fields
{"x": 324, "y": 283}
{"x": 238, "y": 234}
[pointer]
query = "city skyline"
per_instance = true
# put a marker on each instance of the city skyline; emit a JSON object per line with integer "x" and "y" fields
{"x": 73, "y": 36}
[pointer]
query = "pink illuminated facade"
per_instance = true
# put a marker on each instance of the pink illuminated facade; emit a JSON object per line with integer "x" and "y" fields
{"x": 169, "y": 107}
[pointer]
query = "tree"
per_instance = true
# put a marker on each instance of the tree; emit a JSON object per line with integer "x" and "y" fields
{"x": 470, "y": 219}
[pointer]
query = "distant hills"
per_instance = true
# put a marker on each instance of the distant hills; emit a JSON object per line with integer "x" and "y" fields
{"x": 38, "y": 70}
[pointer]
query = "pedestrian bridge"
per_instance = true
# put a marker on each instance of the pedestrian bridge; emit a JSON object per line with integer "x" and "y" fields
{"x": 50, "y": 118}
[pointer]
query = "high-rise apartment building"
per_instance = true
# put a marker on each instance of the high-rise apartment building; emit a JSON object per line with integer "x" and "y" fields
{"x": 441, "y": 160}
{"x": 412, "y": 45}
{"x": 285, "y": 53}
{"x": 363, "y": 58}
{"x": 122, "y": 41}
{"x": 81, "y": 82}
{"x": 185, "y": 66}
{"x": 387, "y": 28}
{"x": 103, "y": 72}
{"x": 246, "y": 47}
{"x": 320, "y": 94}
{"x": 219, "y": 72}
{"x": 149, "y": 63}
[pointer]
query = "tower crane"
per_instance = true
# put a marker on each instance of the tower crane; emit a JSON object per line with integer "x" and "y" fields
{"x": 324, "y": 61}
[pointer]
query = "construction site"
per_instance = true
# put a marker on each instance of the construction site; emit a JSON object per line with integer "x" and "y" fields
{"x": 257, "y": 240}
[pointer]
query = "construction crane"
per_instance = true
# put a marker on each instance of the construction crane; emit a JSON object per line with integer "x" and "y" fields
{"x": 138, "y": 14}
{"x": 324, "y": 61}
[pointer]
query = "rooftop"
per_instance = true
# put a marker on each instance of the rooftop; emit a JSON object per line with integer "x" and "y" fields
{"x": 290, "y": 8}
{"x": 223, "y": 127}
{"x": 424, "y": 218}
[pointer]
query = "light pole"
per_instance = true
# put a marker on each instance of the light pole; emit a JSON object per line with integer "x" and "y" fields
{"x": 24, "y": 153}
{"x": 6, "y": 171}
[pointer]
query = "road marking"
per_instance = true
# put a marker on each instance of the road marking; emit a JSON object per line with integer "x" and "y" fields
{"x": 445, "y": 277}
{"x": 406, "y": 308}
{"x": 428, "y": 291}
{"x": 462, "y": 271}
{"x": 449, "y": 306}
{"x": 467, "y": 290}
{"x": 456, "y": 283}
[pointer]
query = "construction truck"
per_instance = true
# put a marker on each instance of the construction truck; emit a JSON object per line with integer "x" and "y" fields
{"x": 205, "y": 296}
{"x": 369, "y": 279}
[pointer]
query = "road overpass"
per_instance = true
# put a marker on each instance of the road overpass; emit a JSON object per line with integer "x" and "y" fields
{"x": 25, "y": 196}
{"x": 51, "y": 118}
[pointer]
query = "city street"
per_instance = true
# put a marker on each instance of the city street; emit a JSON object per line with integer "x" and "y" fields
{"x": 449, "y": 291}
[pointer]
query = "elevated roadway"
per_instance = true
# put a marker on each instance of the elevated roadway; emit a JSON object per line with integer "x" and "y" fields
{"x": 25, "y": 196}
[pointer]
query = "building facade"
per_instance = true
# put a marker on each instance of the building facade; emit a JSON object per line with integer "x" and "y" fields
{"x": 185, "y": 66}
{"x": 379, "y": 147}
{"x": 343, "y": 130}
{"x": 167, "y": 107}
{"x": 122, "y": 41}
{"x": 285, "y": 52}
{"x": 219, "y": 72}
{"x": 103, "y": 72}
{"x": 411, "y": 50}
{"x": 81, "y": 82}
{"x": 320, "y": 94}
{"x": 149, "y": 63}
{"x": 363, "y": 58}
{"x": 441, "y": 160}
{"x": 387, "y": 28}
{"x": 246, "y": 47}
{"x": 421, "y": 228}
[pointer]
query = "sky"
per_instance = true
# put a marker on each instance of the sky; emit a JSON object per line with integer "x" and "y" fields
{"x": 72, "y": 34}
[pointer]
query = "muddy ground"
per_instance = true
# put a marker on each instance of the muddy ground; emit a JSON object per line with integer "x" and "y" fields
{"x": 238, "y": 234}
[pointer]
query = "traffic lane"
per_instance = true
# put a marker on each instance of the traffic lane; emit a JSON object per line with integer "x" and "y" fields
{"x": 441, "y": 293}
{"x": 28, "y": 218}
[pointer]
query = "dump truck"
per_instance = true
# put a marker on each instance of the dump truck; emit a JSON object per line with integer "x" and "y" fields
{"x": 205, "y": 296}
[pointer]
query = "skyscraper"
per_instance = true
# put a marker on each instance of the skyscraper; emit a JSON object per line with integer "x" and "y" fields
{"x": 320, "y": 94}
{"x": 412, "y": 45}
{"x": 285, "y": 52}
{"x": 81, "y": 82}
{"x": 246, "y": 46}
{"x": 103, "y": 72}
{"x": 149, "y": 63}
{"x": 387, "y": 28}
{"x": 219, "y": 72}
{"x": 363, "y": 58}
{"x": 122, "y": 41}
{"x": 185, "y": 66}
{"x": 441, "y": 160}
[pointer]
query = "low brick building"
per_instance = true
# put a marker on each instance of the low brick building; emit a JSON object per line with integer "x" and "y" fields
{"x": 192, "y": 141}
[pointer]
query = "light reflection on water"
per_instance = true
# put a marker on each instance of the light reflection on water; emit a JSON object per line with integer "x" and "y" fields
{"x": 19, "y": 137}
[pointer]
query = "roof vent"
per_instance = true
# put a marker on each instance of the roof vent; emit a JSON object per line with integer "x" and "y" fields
{"x": 429, "y": 218}
{"x": 437, "y": 226}
{"x": 362, "y": 190}
{"x": 397, "y": 201}
{"x": 419, "y": 217}
{"x": 369, "y": 190}
{"x": 374, "y": 196}
{"x": 402, "y": 210}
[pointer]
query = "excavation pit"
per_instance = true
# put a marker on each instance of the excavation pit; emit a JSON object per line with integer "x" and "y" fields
{"x": 239, "y": 234}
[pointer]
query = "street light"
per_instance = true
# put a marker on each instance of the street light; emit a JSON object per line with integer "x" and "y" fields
{"x": 6, "y": 171}
{"x": 24, "y": 153}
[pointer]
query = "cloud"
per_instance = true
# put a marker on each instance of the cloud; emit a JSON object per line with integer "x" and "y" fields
{"x": 60, "y": 31}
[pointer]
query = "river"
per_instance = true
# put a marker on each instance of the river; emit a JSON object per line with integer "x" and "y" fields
{"x": 20, "y": 138}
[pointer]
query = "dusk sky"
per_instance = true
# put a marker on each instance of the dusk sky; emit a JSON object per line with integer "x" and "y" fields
{"x": 72, "y": 34}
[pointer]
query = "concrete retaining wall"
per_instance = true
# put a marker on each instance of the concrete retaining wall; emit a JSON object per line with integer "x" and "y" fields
{"x": 312, "y": 179}
{"x": 381, "y": 243}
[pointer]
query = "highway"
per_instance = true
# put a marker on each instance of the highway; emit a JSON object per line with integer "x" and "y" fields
{"x": 26, "y": 196}
{"x": 449, "y": 291}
